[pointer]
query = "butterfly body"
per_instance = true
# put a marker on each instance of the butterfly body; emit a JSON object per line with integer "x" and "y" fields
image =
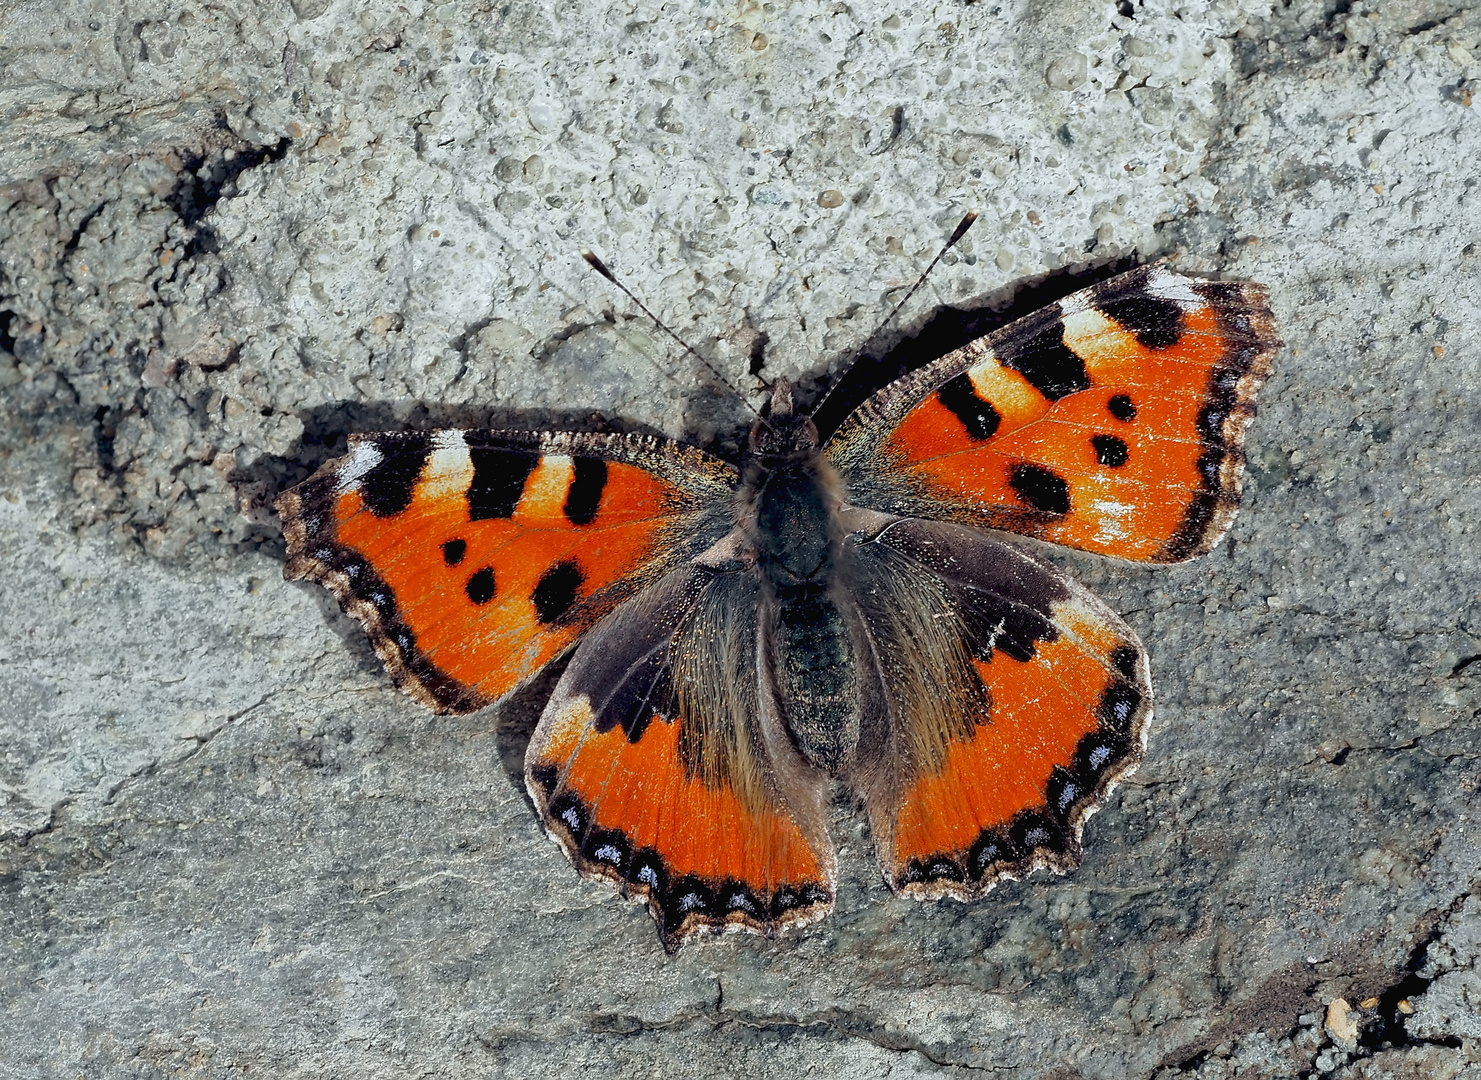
{"x": 790, "y": 498}
{"x": 746, "y": 637}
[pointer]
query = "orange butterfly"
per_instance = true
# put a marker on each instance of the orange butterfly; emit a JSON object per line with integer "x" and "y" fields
{"x": 744, "y": 636}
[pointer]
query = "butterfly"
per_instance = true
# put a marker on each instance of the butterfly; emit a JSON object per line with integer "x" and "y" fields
{"x": 852, "y": 610}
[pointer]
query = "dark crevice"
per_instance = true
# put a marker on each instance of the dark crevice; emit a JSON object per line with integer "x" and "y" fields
{"x": 7, "y": 337}
{"x": 1387, "y": 1029}
{"x": 1463, "y": 663}
{"x": 105, "y": 428}
{"x": 831, "y": 1024}
{"x": 76, "y": 237}
{"x": 758, "y": 354}
{"x": 199, "y": 189}
{"x": 1190, "y": 1064}
{"x": 51, "y": 824}
{"x": 203, "y": 180}
{"x": 232, "y": 357}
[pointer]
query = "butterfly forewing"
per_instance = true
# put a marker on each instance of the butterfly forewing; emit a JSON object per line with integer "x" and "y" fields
{"x": 1112, "y": 421}
{"x": 474, "y": 558}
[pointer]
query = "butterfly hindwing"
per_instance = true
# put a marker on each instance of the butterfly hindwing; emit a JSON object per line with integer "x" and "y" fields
{"x": 474, "y": 557}
{"x": 1042, "y": 700}
{"x": 1112, "y": 421}
{"x": 656, "y": 767}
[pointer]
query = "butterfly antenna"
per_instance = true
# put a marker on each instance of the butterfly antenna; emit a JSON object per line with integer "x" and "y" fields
{"x": 957, "y": 234}
{"x": 601, "y": 268}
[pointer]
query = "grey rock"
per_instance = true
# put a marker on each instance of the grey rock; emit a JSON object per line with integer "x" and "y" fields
{"x": 230, "y": 234}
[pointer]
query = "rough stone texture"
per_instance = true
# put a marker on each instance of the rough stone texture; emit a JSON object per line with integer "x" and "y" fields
{"x": 231, "y": 233}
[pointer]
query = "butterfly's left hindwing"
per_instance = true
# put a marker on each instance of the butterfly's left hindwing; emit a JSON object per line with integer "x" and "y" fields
{"x": 1112, "y": 421}
{"x": 655, "y": 767}
{"x": 474, "y": 558}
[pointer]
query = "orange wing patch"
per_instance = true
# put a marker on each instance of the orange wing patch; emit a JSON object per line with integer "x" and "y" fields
{"x": 1041, "y": 704}
{"x": 1112, "y": 422}
{"x": 632, "y": 813}
{"x": 474, "y": 560}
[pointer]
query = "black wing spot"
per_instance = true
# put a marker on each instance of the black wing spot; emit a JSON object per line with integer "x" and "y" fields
{"x": 1122, "y": 408}
{"x": 608, "y": 847}
{"x": 691, "y": 895}
{"x": 646, "y": 869}
{"x": 1209, "y": 463}
{"x": 1051, "y": 367}
{"x": 1109, "y": 450}
{"x": 568, "y": 809}
{"x": 1118, "y": 705}
{"x": 1034, "y": 829}
{"x": 480, "y": 587}
{"x": 386, "y": 489}
{"x": 499, "y": 477}
{"x": 1157, "y": 323}
{"x": 734, "y": 896}
{"x": 1063, "y": 792}
{"x": 1124, "y": 658}
{"x": 1211, "y": 421}
{"x": 453, "y": 551}
{"x": 991, "y": 847}
{"x": 584, "y": 497}
{"x": 1041, "y": 488}
{"x": 960, "y": 398}
{"x": 555, "y": 592}
{"x": 791, "y": 897}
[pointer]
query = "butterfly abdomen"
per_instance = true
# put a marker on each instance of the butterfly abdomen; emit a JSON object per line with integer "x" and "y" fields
{"x": 815, "y": 671}
{"x": 810, "y": 655}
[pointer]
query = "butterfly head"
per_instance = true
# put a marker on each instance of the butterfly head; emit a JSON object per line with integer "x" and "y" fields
{"x": 785, "y": 435}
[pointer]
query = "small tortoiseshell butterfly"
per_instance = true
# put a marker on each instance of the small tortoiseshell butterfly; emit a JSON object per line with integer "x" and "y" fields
{"x": 745, "y": 635}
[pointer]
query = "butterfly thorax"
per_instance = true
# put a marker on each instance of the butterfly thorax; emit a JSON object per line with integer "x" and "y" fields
{"x": 793, "y": 496}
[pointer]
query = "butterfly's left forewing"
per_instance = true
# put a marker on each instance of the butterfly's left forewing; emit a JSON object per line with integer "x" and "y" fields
{"x": 475, "y": 557}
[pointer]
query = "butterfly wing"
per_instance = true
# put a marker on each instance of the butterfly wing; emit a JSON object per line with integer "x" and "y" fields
{"x": 656, "y": 765}
{"x": 474, "y": 558}
{"x": 1009, "y": 702}
{"x": 1112, "y": 421}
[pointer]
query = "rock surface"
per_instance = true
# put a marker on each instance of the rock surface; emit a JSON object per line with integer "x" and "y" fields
{"x": 232, "y": 233}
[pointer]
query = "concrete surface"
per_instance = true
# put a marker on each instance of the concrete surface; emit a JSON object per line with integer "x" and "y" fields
{"x": 231, "y": 233}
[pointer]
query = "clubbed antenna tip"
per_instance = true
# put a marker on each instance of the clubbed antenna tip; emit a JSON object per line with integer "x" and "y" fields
{"x": 597, "y": 265}
{"x": 601, "y": 268}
